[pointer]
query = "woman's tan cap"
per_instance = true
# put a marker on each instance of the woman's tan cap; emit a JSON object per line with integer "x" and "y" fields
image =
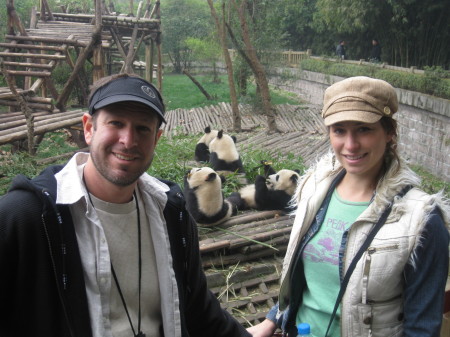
{"x": 359, "y": 98}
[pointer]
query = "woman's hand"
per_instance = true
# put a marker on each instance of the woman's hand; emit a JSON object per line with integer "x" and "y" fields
{"x": 264, "y": 329}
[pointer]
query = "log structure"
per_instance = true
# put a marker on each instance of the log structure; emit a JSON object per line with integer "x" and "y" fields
{"x": 242, "y": 259}
{"x": 110, "y": 42}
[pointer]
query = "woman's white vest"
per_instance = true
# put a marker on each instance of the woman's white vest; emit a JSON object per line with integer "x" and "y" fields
{"x": 372, "y": 304}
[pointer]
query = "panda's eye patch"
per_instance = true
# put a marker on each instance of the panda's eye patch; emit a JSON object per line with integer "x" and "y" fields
{"x": 278, "y": 177}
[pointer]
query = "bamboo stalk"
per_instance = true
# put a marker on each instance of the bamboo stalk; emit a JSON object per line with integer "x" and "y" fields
{"x": 29, "y": 73}
{"x": 36, "y": 106}
{"x": 46, "y": 39}
{"x": 33, "y": 56}
{"x": 27, "y": 64}
{"x": 31, "y": 46}
{"x": 250, "y": 217}
{"x": 234, "y": 258}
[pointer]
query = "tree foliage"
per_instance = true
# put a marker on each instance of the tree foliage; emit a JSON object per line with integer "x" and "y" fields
{"x": 183, "y": 19}
{"x": 411, "y": 32}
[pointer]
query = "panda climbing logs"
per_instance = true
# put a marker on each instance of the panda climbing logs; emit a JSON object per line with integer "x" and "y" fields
{"x": 224, "y": 155}
{"x": 204, "y": 197}
{"x": 273, "y": 193}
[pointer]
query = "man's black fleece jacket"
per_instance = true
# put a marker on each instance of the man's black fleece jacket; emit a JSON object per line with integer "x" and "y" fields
{"x": 42, "y": 289}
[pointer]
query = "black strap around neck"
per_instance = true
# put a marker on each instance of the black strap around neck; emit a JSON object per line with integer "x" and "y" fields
{"x": 361, "y": 251}
{"x": 140, "y": 333}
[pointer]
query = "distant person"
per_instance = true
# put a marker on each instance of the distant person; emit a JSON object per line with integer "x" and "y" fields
{"x": 340, "y": 50}
{"x": 99, "y": 248}
{"x": 375, "y": 55}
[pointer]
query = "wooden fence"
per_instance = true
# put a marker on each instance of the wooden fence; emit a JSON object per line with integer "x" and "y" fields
{"x": 292, "y": 58}
{"x": 287, "y": 58}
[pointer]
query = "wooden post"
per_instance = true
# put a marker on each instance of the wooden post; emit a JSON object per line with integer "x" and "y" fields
{"x": 44, "y": 4}
{"x": 33, "y": 19}
{"x": 14, "y": 20}
{"x": 98, "y": 58}
{"x": 149, "y": 61}
{"x": 147, "y": 9}
{"x": 139, "y": 10}
{"x": 159, "y": 72}
{"x": 131, "y": 8}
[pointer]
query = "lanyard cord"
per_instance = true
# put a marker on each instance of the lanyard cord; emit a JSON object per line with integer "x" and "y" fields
{"x": 139, "y": 334}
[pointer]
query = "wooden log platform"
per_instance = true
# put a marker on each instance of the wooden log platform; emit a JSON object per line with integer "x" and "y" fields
{"x": 13, "y": 125}
{"x": 302, "y": 132}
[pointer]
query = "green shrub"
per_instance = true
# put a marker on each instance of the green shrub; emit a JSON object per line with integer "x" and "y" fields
{"x": 434, "y": 82}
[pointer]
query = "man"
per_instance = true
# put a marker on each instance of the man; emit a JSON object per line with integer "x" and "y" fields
{"x": 340, "y": 50}
{"x": 100, "y": 248}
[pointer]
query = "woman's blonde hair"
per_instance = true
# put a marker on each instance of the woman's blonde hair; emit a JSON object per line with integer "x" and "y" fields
{"x": 390, "y": 126}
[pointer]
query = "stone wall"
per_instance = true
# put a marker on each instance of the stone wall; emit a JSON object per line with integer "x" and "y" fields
{"x": 424, "y": 120}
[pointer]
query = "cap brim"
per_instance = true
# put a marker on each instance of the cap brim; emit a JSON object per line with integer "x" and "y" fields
{"x": 354, "y": 116}
{"x": 121, "y": 98}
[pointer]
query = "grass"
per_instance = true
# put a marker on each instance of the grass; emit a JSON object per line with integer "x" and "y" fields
{"x": 180, "y": 92}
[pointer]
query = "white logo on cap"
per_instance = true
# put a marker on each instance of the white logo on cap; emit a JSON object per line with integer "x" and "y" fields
{"x": 148, "y": 91}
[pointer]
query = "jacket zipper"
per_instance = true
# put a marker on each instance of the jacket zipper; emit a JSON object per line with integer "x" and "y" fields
{"x": 52, "y": 259}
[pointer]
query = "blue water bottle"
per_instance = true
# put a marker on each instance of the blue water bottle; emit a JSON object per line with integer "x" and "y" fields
{"x": 304, "y": 330}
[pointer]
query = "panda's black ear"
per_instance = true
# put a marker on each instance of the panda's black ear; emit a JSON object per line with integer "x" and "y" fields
{"x": 220, "y": 134}
{"x": 207, "y": 129}
{"x": 298, "y": 171}
{"x": 234, "y": 139}
{"x": 294, "y": 178}
{"x": 211, "y": 176}
{"x": 222, "y": 179}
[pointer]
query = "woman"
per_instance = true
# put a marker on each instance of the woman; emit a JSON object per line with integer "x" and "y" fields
{"x": 397, "y": 286}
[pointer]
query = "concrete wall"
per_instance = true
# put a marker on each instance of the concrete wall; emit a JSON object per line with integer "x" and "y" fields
{"x": 424, "y": 120}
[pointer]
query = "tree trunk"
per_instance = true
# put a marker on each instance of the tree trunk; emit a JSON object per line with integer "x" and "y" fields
{"x": 258, "y": 70}
{"x": 237, "y": 123}
{"x": 204, "y": 92}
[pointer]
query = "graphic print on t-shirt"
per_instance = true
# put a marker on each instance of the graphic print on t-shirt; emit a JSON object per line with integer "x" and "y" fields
{"x": 324, "y": 247}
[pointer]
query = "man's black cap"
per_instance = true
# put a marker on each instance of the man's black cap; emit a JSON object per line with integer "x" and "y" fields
{"x": 128, "y": 88}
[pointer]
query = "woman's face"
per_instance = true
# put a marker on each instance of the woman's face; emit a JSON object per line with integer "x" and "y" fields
{"x": 360, "y": 147}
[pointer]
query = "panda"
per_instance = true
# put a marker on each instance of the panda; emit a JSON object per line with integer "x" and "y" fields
{"x": 202, "y": 147}
{"x": 204, "y": 197}
{"x": 273, "y": 193}
{"x": 224, "y": 155}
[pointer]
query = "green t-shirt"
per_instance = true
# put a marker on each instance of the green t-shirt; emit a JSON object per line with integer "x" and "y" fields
{"x": 321, "y": 266}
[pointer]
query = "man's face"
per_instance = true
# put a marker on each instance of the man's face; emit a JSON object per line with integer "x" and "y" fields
{"x": 122, "y": 142}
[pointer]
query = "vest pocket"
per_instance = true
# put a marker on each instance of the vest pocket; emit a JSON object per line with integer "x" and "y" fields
{"x": 383, "y": 319}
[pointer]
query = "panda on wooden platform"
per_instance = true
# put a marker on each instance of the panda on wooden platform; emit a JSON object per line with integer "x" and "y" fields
{"x": 204, "y": 197}
{"x": 224, "y": 154}
{"x": 273, "y": 193}
{"x": 202, "y": 147}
